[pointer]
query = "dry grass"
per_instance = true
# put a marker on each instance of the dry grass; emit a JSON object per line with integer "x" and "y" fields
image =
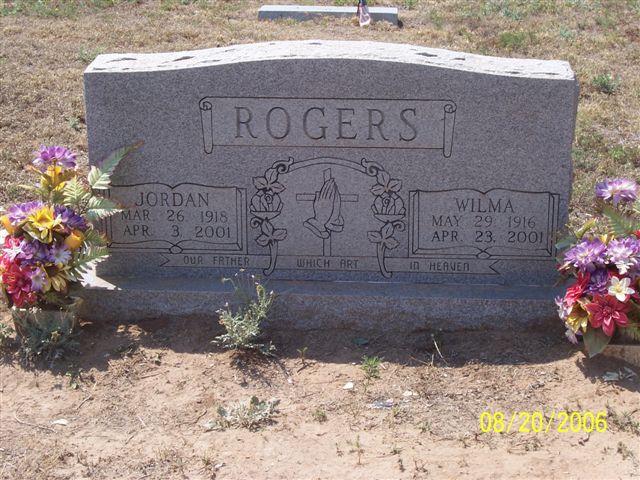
{"x": 46, "y": 44}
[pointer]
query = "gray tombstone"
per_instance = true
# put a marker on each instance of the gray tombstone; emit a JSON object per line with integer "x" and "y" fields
{"x": 373, "y": 184}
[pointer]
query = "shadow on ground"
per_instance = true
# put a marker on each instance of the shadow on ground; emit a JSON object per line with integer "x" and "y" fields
{"x": 99, "y": 343}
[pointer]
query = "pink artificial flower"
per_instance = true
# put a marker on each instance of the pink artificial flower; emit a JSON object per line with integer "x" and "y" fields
{"x": 18, "y": 286}
{"x": 606, "y": 312}
{"x": 575, "y": 291}
{"x": 11, "y": 247}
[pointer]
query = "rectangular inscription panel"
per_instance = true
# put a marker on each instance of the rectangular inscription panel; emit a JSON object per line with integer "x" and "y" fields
{"x": 184, "y": 218}
{"x": 499, "y": 223}
{"x": 328, "y": 122}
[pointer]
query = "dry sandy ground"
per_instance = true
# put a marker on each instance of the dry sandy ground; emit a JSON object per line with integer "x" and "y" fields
{"x": 138, "y": 396}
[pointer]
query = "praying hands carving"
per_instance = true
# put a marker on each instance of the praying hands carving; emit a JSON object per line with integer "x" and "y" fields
{"x": 327, "y": 217}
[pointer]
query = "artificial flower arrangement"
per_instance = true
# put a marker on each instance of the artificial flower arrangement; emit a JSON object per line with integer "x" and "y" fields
{"x": 50, "y": 242}
{"x": 604, "y": 258}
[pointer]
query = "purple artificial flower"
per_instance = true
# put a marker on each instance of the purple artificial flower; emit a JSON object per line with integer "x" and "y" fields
{"x": 617, "y": 189}
{"x": 42, "y": 254}
{"x": 624, "y": 253}
{"x": 55, "y": 155}
{"x": 586, "y": 255}
{"x": 572, "y": 336}
{"x": 59, "y": 254}
{"x": 28, "y": 250}
{"x": 34, "y": 251}
{"x": 39, "y": 279}
{"x": 69, "y": 218}
{"x": 19, "y": 212}
{"x": 563, "y": 308}
{"x": 598, "y": 282}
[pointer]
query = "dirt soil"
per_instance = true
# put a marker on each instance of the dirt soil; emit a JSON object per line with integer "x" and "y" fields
{"x": 138, "y": 399}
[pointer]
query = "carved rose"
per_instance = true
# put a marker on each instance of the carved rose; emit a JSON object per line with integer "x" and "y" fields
{"x": 388, "y": 203}
{"x": 266, "y": 201}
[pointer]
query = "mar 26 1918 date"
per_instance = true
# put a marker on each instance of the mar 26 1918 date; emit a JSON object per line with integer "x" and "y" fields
{"x": 538, "y": 422}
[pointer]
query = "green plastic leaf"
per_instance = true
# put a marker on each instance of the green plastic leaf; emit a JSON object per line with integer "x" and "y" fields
{"x": 595, "y": 340}
{"x": 81, "y": 260}
{"x": 93, "y": 238}
{"x": 112, "y": 161}
{"x": 100, "y": 176}
{"x": 566, "y": 242}
{"x": 98, "y": 180}
{"x": 100, "y": 207}
{"x": 585, "y": 228}
{"x": 75, "y": 194}
{"x": 619, "y": 223}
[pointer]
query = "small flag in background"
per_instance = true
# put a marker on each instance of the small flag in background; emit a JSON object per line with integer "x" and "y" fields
{"x": 364, "y": 18}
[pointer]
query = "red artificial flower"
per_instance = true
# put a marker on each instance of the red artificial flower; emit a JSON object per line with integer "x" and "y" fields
{"x": 18, "y": 286}
{"x": 575, "y": 291}
{"x": 606, "y": 311}
{"x": 638, "y": 233}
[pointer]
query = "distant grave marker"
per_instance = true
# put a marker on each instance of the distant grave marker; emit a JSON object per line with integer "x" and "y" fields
{"x": 309, "y": 12}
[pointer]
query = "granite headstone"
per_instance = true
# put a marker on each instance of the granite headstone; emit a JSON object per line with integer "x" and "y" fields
{"x": 382, "y": 183}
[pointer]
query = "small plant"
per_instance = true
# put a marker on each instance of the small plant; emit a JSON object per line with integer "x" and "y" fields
{"x": 88, "y": 55}
{"x": 5, "y": 334}
{"x": 249, "y": 414}
{"x": 371, "y": 367}
{"x": 48, "y": 337}
{"x": 625, "y": 451}
{"x": 623, "y": 421}
{"x": 425, "y": 426}
{"x": 436, "y": 19}
{"x": 75, "y": 123}
{"x": 606, "y": 83}
{"x": 319, "y": 415}
{"x": 243, "y": 326}
{"x": 566, "y": 33}
{"x": 303, "y": 355}
{"x": 513, "y": 40}
{"x": 357, "y": 449}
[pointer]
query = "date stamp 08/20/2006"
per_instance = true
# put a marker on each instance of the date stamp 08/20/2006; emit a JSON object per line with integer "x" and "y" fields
{"x": 537, "y": 421}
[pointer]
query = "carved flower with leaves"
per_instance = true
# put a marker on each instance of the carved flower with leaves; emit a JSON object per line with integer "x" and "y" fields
{"x": 269, "y": 235}
{"x": 384, "y": 236}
